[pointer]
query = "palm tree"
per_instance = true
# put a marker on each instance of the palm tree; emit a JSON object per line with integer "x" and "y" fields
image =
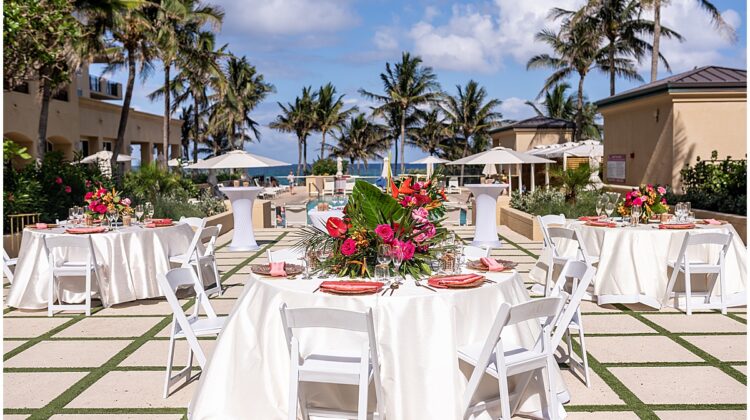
{"x": 175, "y": 23}
{"x": 298, "y": 118}
{"x": 244, "y": 89}
{"x": 432, "y": 132}
{"x": 406, "y": 85}
{"x": 557, "y": 104}
{"x": 718, "y": 21}
{"x": 577, "y": 47}
{"x": 359, "y": 140}
{"x": 330, "y": 113}
{"x": 187, "y": 130}
{"x": 132, "y": 29}
{"x": 471, "y": 114}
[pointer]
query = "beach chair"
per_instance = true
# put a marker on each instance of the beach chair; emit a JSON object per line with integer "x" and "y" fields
{"x": 328, "y": 187}
{"x": 296, "y": 214}
{"x": 453, "y": 187}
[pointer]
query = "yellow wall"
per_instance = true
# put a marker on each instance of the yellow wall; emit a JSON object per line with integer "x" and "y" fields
{"x": 524, "y": 139}
{"x": 658, "y": 134}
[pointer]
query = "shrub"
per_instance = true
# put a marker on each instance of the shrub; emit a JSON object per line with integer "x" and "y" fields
{"x": 151, "y": 182}
{"x": 573, "y": 180}
{"x": 715, "y": 185}
{"x": 327, "y": 166}
{"x": 175, "y": 208}
{"x": 549, "y": 201}
{"x": 210, "y": 205}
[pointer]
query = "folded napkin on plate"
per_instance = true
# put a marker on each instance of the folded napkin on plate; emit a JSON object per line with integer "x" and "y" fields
{"x": 677, "y": 226}
{"x": 86, "y": 230}
{"x": 351, "y": 286}
{"x": 41, "y": 226}
{"x": 601, "y": 224}
{"x": 591, "y": 218}
{"x": 492, "y": 264}
{"x": 277, "y": 269}
{"x": 161, "y": 221}
{"x": 711, "y": 222}
{"x": 457, "y": 280}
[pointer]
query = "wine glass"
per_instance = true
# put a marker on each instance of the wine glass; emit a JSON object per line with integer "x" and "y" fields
{"x": 687, "y": 209}
{"x": 72, "y": 215}
{"x": 80, "y": 214}
{"x": 600, "y": 204}
{"x": 112, "y": 215}
{"x": 384, "y": 254}
{"x": 322, "y": 254}
{"x": 439, "y": 253}
{"x": 138, "y": 212}
{"x": 609, "y": 208}
{"x": 397, "y": 256}
{"x": 149, "y": 210}
{"x": 679, "y": 211}
{"x": 635, "y": 213}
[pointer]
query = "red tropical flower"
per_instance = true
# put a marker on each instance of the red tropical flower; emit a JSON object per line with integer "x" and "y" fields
{"x": 336, "y": 227}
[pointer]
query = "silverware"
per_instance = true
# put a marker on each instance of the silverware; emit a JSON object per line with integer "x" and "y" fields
{"x": 489, "y": 281}
{"x": 422, "y": 285}
{"x": 394, "y": 286}
{"x": 387, "y": 288}
{"x": 318, "y": 288}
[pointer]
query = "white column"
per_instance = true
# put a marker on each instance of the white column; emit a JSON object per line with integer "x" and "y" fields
{"x": 510, "y": 180}
{"x": 520, "y": 177}
{"x": 533, "y": 186}
{"x": 565, "y": 161}
{"x": 546, "y": 175}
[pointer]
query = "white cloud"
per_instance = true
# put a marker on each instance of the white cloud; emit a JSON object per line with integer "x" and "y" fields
{"x": 703, "y": 44}
{"x": 385, "y": 39}
{"x": 514, "y": 108}
{"x": 288, "y": 17}
{"x": 431, "y": 12}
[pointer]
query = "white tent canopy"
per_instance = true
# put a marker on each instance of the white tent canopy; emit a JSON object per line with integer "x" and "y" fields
{"x": 588, "y": 148}
{"x": 430, "y": 161}
{"x": 106, "y": 156}
{"x": 237, "y": 159}
{"x": 505, "y": 156}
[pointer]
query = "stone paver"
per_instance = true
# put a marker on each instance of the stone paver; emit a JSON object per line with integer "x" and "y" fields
{"x": 638, "y": 349}
{"x": 154, "y": 353}
{"x": 724, "y": 347}
{"x": 116, "y": 417}
{"x": 25, "y": 390}
{"x": 617, "y": 324}
{"x": 697, "y": 323}
{"x": 132, "y": 389}
{"x": 703, "y": 415}
{"x": 30, "y": 327}
{"x": 110, "y": 327}
{"x": 85, "y": 353}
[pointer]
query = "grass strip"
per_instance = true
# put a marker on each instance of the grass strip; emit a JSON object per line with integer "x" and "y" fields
{"x": 734, "y": 316}
{"x": 46, "y": 335}
{"x": 247, "y": 261}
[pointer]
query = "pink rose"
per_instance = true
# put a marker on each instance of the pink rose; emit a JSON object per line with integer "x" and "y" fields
{"x": 637, "y": 201}
{"x": 68, "y": 189}
{"x": 89, "y": 195}
{"x": 101, "y": 209}
{"x": 385, "y": 232}
{"x": 428, "y": 231}
{"x": 125, "y": 202}
{"x": 664, "y": 200}
{"x": 349, "y": 247}
{"x": 661, "y": 190}
{"x": 101, "y": 191}
{"x": 407, "y": 248}
{"x": 58, "y": 180}
{"x": 420, "y": 215}
{"x": 88, "y": 183}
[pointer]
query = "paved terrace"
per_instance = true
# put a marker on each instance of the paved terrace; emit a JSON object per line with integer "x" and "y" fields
{"x": 645, "y": 363}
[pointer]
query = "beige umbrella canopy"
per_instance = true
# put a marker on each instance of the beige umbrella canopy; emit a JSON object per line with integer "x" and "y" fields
{"x": 430, "y": 161}
{"x": 105, "y": 155}
{"x": 237, "y": 159}
{"x": 503, "y": 156}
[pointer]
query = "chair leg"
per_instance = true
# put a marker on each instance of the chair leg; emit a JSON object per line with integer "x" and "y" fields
{"x": 502, "y": 381}
{"x": 189, "y": 366}
{"x": 364, "y": 382}
{"x": 170, "y": 361}
{"x": 293, "y": 396}
{"x": 688, "y": 294}
{"x": 584, "y": 356}
{"x": 88, "y": 293}
{"x": 723, "y": 290}
{"x": 550, "y": 388}
{"x": 50, "y": 293}
{"x": 569, "y": 356}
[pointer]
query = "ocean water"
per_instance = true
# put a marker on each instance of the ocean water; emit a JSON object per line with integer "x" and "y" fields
{"x": 373, "y": 170}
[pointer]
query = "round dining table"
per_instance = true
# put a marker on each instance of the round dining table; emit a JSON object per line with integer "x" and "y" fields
{"x": 130, "y": 259}
{"x": 318, "y": 218}
{"x": 417, "y": 330}
{"x": 633, "y": 262}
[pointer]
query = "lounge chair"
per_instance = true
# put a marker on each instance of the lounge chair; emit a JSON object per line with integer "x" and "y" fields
{"x": 328, "y": 187}
{"x": 296, "y": 214}
{"x": 453, "y": 187}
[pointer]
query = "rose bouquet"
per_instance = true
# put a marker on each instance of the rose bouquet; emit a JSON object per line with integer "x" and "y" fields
{"x": 99, "y": 200}
{"x": 651, "y": 198}
{"x": 408, "y": 219}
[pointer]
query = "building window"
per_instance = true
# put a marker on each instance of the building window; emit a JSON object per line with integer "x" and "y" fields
{"x": 61, "y": 95}
{"x": 50, "y": 146}
{"x": 107, "y": 145}
{"x": 84, "y": 147}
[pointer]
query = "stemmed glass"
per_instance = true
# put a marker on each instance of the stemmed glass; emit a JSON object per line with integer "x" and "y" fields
{"x": 72, "y": 212}
{"x": 384, "y": 256}
{"x": 149, "y": 210}
{"x": 609, "y": 208}
{"x": 112, "y": 215}
{"x": 80, "y": 214}
{"x": 679, "y": 211}
{"x": 138, "y": 212}
{"x": 601, "y": 203}
{"x": 687, "y": 209}
{"x": 439, "y": 253}
{"x": 322, "y": 254}
{"x": 635, "y": 214}
{"x": 397, "y": 256}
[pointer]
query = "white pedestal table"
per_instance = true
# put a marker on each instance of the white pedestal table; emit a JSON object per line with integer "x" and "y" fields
{"x": 485, "y": 196}
{"x": 242, "y": 199}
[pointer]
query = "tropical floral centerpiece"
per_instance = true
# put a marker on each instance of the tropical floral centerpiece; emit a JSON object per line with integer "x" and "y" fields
{"x": 650, "y": 197}
{"x": 408, "y": 218}
{"x": 100, "y": 199}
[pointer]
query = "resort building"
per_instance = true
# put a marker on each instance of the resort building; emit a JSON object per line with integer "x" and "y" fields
{"x": 653, "y": 131}
{"x": 80, "y": 119}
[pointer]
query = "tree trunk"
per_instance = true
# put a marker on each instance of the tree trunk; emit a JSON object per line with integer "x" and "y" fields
{"x": 41, "y": 146}
{"x": 657, "y": 36}
{"x": 579, "y": 109}
{"x": 165, "y": 129}
{"x": 299, "y": 155}
{"x": 611, "y": 58}
{"x": 463, "y": 155}
{"x": 323, "y": 144}
{"x": 196, "y": 129}
{"x": 124, "y": 113}
{"x": 304, "y": 157}
{"x": 403, "y": 139}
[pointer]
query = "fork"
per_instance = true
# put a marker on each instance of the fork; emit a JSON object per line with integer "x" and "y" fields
{"x": 422, "y": 285}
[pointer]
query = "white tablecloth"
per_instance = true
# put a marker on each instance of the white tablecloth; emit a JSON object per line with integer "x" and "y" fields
{"x": 417, "y": 330}
{"x": 132, "y": 257}
{"x": 633, "y": 262}
{"x": 319, "y": 218}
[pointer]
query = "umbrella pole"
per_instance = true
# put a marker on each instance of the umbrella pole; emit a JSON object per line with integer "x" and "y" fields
{"x": 520, "y": 178}
{"x": 510, "y": 180}
{"x": 546, "y": 174}
{"x": 533, "y": 186}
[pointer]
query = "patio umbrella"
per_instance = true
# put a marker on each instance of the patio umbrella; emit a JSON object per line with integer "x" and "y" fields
{"x": 237, "y": 159}
{"x": 105, "y": 155}
{"x": 489, "y": 169}
{"x": 386, "y": 173}
{"x": 504, "y": 156}
{"x": 429, "y": 161}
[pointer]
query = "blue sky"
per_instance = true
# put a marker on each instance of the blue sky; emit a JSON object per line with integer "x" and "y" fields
{"x": 297, "y": 43}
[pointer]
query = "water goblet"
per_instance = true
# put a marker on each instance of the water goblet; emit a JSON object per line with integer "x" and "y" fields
{"x": 381, "y": 272}
{"x": 72, "y": 215}
{"x": 600, "y": 204}
{"x": 80, "y": 215}
{"x": 687, "y": 208}
{"x": 148, "y": 209}
{"x": 138, "y": 212}
{"x": 112, "y": 215}
{"x": 635, "y": 213}
{"x": 609, "y": 208}
{"x": 384, "y": 254}
{"x": 397, "y": 256}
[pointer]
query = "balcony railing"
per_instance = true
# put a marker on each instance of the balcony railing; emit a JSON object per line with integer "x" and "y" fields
{"x": 103, "y": 89}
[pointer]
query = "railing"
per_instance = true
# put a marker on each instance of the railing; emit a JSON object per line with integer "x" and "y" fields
{"x": 17, "y": 222}
{"x": 94, "y": 84}
{"x": 112, "y": 89}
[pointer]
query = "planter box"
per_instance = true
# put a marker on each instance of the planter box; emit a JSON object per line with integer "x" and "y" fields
{"x": 739, "y": 222}
{"x": 520, "y": 222}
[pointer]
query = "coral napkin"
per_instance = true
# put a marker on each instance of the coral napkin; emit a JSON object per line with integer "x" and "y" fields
{"x": 351, "y": 286}
{"x": 277, "y": 269}
{"x": 601, "y": 224}
{"x": 41, "y": 226}
{"x": 677, "y": 226}
{"x": 591, "y": 218}
{"x": 457, "y": 280}
{"x": 161, "y": 221}
{"x": 491, "y": 264}
{"x": 711, "y": 222}
{"x": 86, "y": 230}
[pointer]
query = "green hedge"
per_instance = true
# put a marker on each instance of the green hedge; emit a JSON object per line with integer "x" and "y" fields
{"x": 715, "y": 185}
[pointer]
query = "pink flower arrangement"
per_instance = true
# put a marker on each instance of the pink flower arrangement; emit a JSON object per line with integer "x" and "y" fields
{"x": 385, "y": 232}
{"x": 406, "y": 248}
{"x": 349, "y": 247}
{"x": 649, "y": 197}
{"x": 101, "y": 199}
{"x": 428, "y": 231}
{"x": 420, "y": 215}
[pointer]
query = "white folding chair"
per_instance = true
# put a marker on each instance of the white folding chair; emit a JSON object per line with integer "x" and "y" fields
{"x": 289, "y": 255}
{"x": 574, "y": 280}
{"x": 476, "y": 252}
{"x": 206, "y": 260}
{"x": 296, "y": 215}
{"x": 184, "y": 258}
{"x": 187, "y": 327}
{"x": 62, "y": 267}
{"x": 194, "y": 222}
{"x": 556, "y": 236}
{"x": 501, "y": 361}
{"x": 714, "y": 270}
{"x": 7, "y": 263}
{"x": 356, "y": 369}
{"x": 547, "y": 221}
{"x": 453, "y": 187}
{"x": 453, "y": 214}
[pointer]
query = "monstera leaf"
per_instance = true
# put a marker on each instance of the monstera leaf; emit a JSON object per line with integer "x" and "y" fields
{"x": 369, "y": 207}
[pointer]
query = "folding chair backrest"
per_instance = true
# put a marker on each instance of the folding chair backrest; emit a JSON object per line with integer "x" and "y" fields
{"x": 208, "y": 238}
{"x": 556, "y": 235}
{"x": 194, "y": 222}
{"x": 580, "y": 276}
{"x": 6, "y": 257}
{"x": 712, "y": 238}
{"x": 291, "y": 255}
{"x": 296, "y": 214}
{"x": 453, "y": 182}
{"x": 544, "y": 308}
{"x": 476, "y": 252}
{"x": 69, "y": 242}
{"x": 179, "y": 277}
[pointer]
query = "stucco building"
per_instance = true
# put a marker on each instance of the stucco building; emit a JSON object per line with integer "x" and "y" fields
{"x": 653, "y": 131}
{"x": 81, "y": 120}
